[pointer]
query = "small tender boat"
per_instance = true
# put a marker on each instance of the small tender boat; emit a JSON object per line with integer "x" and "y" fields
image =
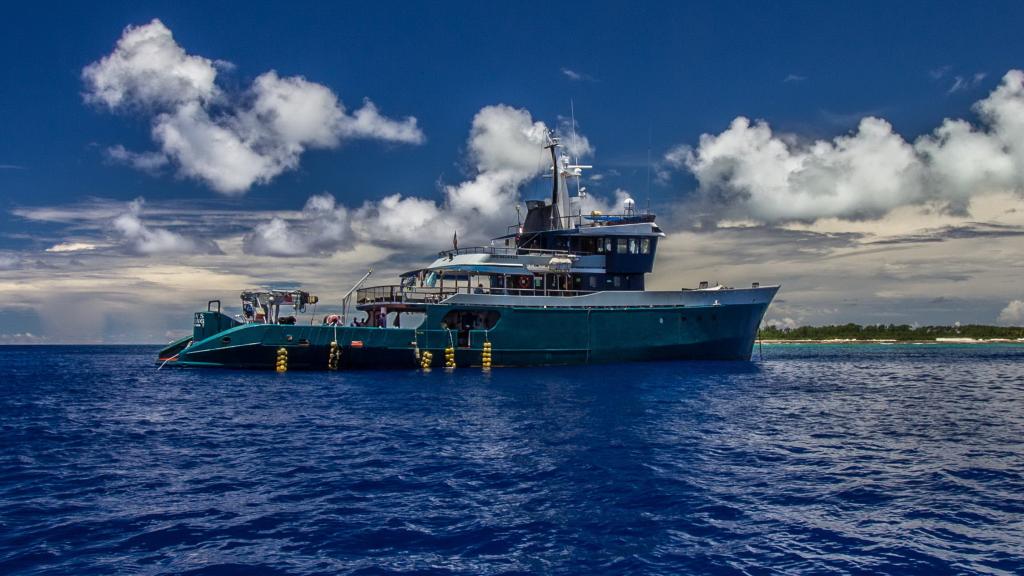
{"x": 559, "y": 288}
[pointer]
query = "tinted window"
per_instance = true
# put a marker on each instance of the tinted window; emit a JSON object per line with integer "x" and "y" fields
{"x": 645, "y": 246}
{"x": 471, "y": 319}
{"x": 622, "y": 246}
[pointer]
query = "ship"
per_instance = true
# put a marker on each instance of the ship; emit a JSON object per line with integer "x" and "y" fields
{"x": 560, "y": 287}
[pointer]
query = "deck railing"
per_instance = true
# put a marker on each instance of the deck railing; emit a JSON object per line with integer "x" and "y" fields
{"x": 503, "y": 251}
{"x": 397, "y": 294}
{"x": 582, "y": 220}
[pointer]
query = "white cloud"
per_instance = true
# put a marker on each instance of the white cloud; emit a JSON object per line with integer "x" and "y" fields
{"x": 782, "y": 323}
{"x": 229, "y": 141}
{"x": 139, "y": 238}
{"x": 21, "y": 338}
{"x": 323, "y": 227}
{"x": 576, "y": 76}
{"x": 748, "y": 171}
{"x": 505, "y": 148}
{"x": 962, "y": 83}
{"x": 590, "y": 203}
{"x": 213, "y": 152}
{"x": 367, "y": 122}
{"x": 1013, "y": 314}
{"x": 10, "y": 262}
{"x": 507, "y": 138}
{"x": 145, "y": 161}
{"x": 71, "y": 247}
{"x": 147, "y": 68}
{"x": 406, "y": 221}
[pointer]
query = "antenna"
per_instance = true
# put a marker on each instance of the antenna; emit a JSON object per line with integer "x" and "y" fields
{"x": 649, "y": 129}
{"x": 572, "y": 112}
{"x": 575, "y": 149}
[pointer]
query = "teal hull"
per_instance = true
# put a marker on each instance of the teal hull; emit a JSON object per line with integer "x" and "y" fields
{"x": 524, "y": 336}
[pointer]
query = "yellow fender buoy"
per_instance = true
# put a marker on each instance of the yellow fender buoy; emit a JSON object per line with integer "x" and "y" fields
{"x": 485, "y": 356}
{"x": 334, "y": 357}
{"x": 282, "y": 359}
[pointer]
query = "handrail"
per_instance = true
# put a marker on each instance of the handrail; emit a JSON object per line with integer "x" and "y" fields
{"x": 397, "y": 294}
{"x": 577, "y": 221}
{"x": 502, "y": 251}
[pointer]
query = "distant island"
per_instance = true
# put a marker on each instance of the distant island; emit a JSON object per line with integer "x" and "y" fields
{"x": 893, "y": 333}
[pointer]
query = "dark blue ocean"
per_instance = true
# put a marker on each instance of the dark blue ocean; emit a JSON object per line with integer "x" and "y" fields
{"x": 818, "y": 459}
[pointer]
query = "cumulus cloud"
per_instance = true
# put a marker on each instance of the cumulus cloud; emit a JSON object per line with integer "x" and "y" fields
{"x": 1013, "y": 314}
{"x": 148, "y": 69}
{"x": 614, "y": 205}
{"x": 782, "y": 323}
{"x": 504, "y": 149}
{"x": 229, "y": 141}
{"x": 323, "y": 227}
{"x": 749, "y": 171}
{"x": 139, "y": 238}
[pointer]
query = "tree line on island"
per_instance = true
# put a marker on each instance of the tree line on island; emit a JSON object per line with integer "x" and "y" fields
{"x": 899, "y": 332}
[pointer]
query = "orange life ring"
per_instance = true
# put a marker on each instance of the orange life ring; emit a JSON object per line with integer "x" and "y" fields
{"x": 524, "y": 282}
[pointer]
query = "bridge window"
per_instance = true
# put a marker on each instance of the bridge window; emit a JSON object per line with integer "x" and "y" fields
{"x": 470, "y": 320}
{"x": 632, "y": 246}
{"x": 622, "y": 246}
{"x": 588, "y": 245}
{"x": 645, "y": 246}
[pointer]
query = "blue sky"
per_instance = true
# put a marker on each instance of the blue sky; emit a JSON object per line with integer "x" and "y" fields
{"x": 645, "y": 80}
